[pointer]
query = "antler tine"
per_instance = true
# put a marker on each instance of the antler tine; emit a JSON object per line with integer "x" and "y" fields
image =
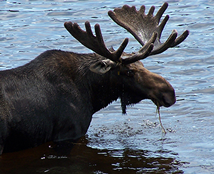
{"x": 181, "y": 38}
{"x": 161, "y": 11}
{"x": 166, "y": 45}
{"x": 95, "y": 43}
{"x": 142, "y": 26}
{"x": 144, "y": 53}
{"x": 138, "y": 56}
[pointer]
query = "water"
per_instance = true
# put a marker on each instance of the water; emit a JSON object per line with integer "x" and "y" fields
{"x": 117, "y": 143}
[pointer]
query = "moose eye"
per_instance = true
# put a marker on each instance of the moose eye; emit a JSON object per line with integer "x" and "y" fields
{"x": 130, "y": 73}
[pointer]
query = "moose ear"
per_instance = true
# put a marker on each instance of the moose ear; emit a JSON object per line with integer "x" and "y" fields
{"x": 102, "y": 66}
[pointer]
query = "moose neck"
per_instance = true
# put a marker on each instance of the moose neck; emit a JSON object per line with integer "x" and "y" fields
{"x": 104, "y": 92}
{"x": 102, "y": 89}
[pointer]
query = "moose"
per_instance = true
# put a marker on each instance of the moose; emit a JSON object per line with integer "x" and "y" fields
{"x": 53, "y": 97}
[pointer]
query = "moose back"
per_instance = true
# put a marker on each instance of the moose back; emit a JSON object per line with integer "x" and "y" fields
{"x": 53, "y": 97}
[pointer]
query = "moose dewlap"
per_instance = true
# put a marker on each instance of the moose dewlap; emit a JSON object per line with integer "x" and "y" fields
{"x": 53, "y": 97}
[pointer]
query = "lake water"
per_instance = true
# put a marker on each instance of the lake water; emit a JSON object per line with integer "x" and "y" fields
{"x": 116, "y": 143}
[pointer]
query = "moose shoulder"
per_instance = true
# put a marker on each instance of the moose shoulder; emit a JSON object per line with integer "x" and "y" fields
{"x": 53, "y": 97}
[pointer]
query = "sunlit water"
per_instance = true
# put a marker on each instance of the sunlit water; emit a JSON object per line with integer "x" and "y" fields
{"x": 116, "y": 143}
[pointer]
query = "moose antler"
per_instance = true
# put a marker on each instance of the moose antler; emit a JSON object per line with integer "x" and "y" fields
{"x": 92, "y": 42}
{"x": 97, "y": 44}
{"x": 143, "y": 26}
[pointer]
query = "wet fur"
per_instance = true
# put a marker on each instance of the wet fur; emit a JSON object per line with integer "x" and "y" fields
{"x": 52, "y": 98}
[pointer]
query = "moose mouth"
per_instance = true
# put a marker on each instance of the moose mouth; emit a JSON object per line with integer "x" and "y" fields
{"x": 163, "y": 102}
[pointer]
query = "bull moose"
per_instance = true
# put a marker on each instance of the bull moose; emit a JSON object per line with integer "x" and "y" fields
{"x": 53, "y": 97}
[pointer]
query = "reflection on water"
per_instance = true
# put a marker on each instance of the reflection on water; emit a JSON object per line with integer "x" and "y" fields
{"x": 117, "y": 143}
{"x": 84, "y": 159}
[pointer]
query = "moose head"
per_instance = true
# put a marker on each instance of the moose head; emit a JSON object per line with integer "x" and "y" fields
{"x": 137, "y": 82}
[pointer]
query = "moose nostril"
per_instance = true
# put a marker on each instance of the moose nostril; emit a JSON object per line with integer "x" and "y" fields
{"x": 168, "y": 100}
{"x": 166, "y": 103}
